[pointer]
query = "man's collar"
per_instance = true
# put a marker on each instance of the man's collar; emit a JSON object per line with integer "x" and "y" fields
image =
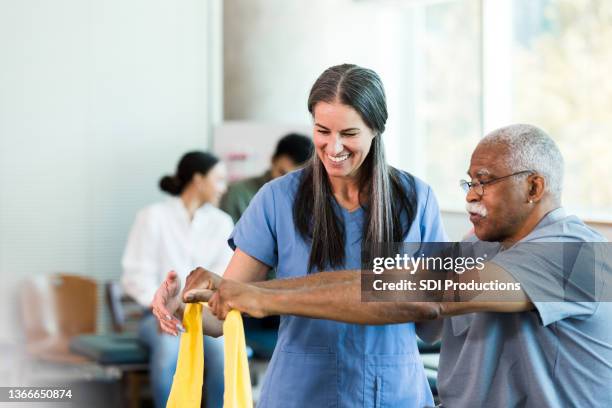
{"x": 551, "y": 217}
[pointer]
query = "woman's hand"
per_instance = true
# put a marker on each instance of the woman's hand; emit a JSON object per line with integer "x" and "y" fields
{"x": 167, "y": 304}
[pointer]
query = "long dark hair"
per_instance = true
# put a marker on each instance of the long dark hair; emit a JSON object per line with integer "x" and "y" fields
{"x": 190, "y": 164}
{"x": 386, "y": 196}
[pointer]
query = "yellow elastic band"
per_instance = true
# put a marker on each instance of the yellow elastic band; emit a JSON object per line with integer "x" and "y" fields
{"x": 237, "y": 378}
{"x": 187, "y": 384}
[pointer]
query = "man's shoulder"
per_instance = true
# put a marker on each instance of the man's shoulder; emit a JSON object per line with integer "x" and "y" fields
{"x": 557, "y": 226}
{"x": 248, "y": 186}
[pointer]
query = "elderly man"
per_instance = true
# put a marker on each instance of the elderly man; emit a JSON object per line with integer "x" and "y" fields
{"x": 528, "y": 352}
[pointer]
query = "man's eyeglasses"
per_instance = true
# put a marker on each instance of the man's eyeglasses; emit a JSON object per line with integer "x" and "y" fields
{"x": 478, "y": 187}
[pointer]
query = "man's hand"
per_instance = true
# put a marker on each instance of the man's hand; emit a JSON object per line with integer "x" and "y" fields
{"x": 167, "y": 304}
{"x": 230, "y": 295}
{"x": 202, "y": 280}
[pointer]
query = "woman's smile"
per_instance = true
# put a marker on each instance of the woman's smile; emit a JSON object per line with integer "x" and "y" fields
{"x": 340, "y": 158}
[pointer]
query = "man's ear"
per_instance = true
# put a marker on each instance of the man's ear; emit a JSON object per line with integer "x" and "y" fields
{"x": 537, "y": 187}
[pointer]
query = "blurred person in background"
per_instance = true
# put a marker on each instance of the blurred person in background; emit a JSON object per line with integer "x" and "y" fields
{"x": 179, "y": 234}
{"x": 292, "y": 151}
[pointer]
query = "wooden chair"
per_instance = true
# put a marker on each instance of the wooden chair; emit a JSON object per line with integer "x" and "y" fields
{"x": 54, "y": 309}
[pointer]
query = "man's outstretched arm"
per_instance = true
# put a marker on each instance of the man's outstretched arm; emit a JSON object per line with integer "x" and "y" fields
{"x": 334, "y": 296}
{"x": 337, "y": 296}
{"x": 342, "y": 302}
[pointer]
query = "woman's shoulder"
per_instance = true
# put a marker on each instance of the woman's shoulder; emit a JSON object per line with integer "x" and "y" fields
{"x": 414, "y": 185}
{"x": 276, "y": 195}
{"x": 287, "y": 184}
{"x": 153, "y": 215}
{"x": 157, "y": 209}
{"x": 216, "y": 214}
{"x": 427, "y": 216}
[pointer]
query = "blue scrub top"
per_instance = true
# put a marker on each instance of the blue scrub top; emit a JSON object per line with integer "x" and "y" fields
{"x": 323, "y": 363}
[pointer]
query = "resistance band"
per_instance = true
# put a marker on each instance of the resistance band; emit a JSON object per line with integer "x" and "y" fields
{"x": 187, "y": 384}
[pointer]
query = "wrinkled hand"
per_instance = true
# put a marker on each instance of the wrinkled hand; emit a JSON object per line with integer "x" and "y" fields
{"x": 230, "y": 295}
{"x": 167, "y": 304}
{"x": 202, "y": 280}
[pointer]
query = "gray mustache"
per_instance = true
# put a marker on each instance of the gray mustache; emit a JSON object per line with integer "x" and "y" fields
{"x": 476, "y": 208}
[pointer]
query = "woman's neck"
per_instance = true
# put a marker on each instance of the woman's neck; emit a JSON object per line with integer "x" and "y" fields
{"x": 191, "y": 202}
{"x": 346, "y": 191}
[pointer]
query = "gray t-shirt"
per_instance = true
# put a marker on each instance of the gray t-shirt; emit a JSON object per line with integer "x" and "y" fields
{"x": 558, "y": 355}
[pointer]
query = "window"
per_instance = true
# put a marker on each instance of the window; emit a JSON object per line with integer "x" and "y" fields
{"x": 448, "y": 112}
{"x": 562, "y": 53}
{"x": 481, "y": 64}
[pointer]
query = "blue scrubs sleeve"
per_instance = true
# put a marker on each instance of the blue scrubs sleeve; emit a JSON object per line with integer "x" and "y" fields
{"x": 432, "y": 228}
{"x": 255, "y": 232}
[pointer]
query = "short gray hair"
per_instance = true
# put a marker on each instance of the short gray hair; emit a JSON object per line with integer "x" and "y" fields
{"x": 530, "y": 148}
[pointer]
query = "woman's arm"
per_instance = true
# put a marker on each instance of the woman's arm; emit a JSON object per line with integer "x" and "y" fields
{"x": 140, "y": 277}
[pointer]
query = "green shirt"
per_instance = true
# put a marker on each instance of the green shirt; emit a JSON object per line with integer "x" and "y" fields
{"x": 238, "y": 196}
{"x": 240, "y": 193}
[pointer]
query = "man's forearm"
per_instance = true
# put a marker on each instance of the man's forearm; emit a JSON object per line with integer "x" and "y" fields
{"x": 337, "y": 296}
{"x": 341, "y": 300}
{"x": 309, "y": 281}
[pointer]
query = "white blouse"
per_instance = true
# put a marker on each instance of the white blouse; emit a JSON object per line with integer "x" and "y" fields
{"x": 163, "y": 239}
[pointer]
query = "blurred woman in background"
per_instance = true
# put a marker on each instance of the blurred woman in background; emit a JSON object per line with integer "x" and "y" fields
{"x": 178, "y": 234}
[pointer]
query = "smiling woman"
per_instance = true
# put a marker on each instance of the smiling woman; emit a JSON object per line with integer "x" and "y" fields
{"x": 349, "y": 110}
{"x": 346, "y": 197}
{"x": 337, "y": 142}
{"x": 318, "y": 219}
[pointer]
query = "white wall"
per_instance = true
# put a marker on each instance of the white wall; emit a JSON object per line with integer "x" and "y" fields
{"x": 274, "y": 50}
{"x": 98, "y": 99}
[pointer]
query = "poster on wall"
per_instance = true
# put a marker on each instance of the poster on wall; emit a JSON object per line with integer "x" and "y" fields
{"x": 246, "y": 147}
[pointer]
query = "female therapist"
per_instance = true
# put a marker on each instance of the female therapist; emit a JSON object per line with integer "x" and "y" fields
{"x": 179, "y": 233}
{"x": 316, "y": 219}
